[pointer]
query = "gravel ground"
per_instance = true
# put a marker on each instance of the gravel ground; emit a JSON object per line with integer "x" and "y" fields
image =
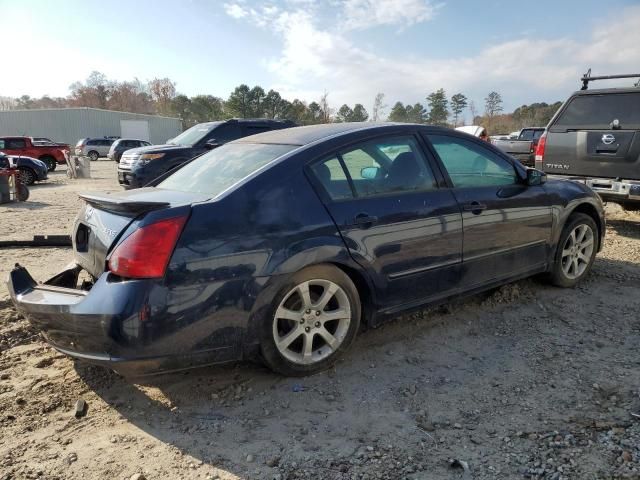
{"x": 529, "y": 381}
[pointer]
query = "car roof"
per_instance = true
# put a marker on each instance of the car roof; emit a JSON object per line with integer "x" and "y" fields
{"x": 313, "y": 133}
{"x": 601, "y": 91}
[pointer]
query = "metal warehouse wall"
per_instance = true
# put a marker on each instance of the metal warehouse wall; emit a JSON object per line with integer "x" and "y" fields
{"x": 68, "y": 125}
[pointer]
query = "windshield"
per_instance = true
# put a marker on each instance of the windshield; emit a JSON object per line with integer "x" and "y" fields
{"x": 193, "y": 135}
{"x": 214, "y": 172}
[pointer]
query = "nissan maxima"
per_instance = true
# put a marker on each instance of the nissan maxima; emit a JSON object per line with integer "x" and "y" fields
{"x": 282, "y": 245}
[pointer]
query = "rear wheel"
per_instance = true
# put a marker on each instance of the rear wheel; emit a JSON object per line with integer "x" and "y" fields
{"x": 312, "y": 321}
{"x": 27, "y": 176}
{"x": 576, "y": 251}
{"x": 50, "y": 162}
{"x": 93, "y": 155}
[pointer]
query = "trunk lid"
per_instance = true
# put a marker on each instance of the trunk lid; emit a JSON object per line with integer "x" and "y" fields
{"x": 105, "y": 217}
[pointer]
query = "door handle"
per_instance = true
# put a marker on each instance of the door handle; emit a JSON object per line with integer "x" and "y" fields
{"x": 474, "y": 207}
{"x": 365, "y": 220}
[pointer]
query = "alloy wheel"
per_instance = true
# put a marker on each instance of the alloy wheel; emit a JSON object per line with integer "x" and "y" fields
{"x": 577, "y": 251}
{"x": 311, "y": 321}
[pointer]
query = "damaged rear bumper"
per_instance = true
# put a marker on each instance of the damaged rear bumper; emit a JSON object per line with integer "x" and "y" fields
{"x": 111, "y": 324}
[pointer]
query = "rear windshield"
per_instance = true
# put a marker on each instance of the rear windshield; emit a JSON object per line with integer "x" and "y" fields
{"x": 598, "y": 111}
{"x": 214, "y": 172}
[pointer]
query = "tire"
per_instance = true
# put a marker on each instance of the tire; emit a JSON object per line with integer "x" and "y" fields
{"x": 296, "y": 340}
{"x": 50, "y": 162}
{"x": 23, "y": 193}
{"x": 93, "y": 155}
{"x": 576, "y": 251}
{"x": 27, "y": 176}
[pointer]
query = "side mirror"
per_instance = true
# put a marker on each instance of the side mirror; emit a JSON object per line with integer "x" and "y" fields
{"x": 211, "y": 144}
{"x": 535, "y": 177}
{"x": 370, "y": 173}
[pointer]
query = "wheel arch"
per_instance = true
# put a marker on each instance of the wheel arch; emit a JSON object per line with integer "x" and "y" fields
{"x": 590, "y": 210}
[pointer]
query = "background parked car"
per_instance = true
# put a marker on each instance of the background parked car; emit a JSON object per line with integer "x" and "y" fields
{"x": 141, "y": 165}
{"x": 51, "y": 155}
{"x": 31, "y": 169}
{"x": 94, "y": 148}
{"x": 595, "y": 138}
{"x": 282, "y": 243}
{"x": 523, "y": 147}
{"x": 122, "y": 145}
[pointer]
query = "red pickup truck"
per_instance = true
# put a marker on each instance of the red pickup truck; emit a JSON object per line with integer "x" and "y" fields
{"x": 24, "y": 146}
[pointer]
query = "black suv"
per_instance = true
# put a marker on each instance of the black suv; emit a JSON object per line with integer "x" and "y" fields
{"x": 139, "y": 166}
{"x": 594, "y": 138}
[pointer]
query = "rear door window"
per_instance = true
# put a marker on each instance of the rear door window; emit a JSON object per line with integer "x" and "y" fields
{"x": 15, "y": 143}
{"x": 471, "y": 165}
{"x": 598, "y": 111}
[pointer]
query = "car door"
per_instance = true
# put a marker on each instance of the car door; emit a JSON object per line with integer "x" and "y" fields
{"x": 506, "y": 223}
{"x": 397, "y": 222}
{"x": 14, "y": 146}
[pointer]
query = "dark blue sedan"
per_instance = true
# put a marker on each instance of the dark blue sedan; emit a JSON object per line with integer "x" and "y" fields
{"x": 281, "y": 245}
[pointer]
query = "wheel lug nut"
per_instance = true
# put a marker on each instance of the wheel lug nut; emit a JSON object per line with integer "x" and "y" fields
{"x": 308, "y": 311}
{"x": 301, "y": 321}
{"x": 317, "y": 313}
{"x": 317, "y": 324}
{"x": 306, "y": 329}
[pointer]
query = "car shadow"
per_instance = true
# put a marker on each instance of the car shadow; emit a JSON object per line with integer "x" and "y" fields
{"x": 625, "y": 228}
{"x": 28, "y": 205}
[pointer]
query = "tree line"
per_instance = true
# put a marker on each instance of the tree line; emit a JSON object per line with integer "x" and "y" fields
{"x": 159, "y": 96}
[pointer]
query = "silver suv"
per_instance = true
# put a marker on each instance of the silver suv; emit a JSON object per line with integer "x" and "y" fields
{"x": 94, "y": 148}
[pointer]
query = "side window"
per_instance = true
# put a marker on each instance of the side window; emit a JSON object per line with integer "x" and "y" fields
{"x": 225, "y": 133}
{"x": 255, "y": 129}
{"x": 472, "y": 165}
{"x": 378, "y": 167}
{"x": 91, "y": 143}
{"x": 526, "y": 135}
{"x": 15, "y": 143}
{"x": 2, "y": 144}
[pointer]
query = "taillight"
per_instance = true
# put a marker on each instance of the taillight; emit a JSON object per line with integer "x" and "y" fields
{"x": 542, "y": 143}
{"x": 146, "y": 252}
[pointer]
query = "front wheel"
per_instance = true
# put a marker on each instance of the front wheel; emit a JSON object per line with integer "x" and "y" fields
{"x": 312, "y": 321}
{"x": 93, "y": 155}
{"x": 27, "y": 176}
{"x": 576, "y": 251}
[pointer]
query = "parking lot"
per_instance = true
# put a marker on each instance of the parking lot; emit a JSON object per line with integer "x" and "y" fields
{"x": 528, "y": 381}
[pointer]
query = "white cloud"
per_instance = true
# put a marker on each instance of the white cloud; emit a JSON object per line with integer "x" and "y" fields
{"x": 313, "y": 59}
{"x": 361, "y": 14}
{"x": 235, "y": 10}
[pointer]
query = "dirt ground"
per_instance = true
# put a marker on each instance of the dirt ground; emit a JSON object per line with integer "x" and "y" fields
{"x": 530, "y": 381}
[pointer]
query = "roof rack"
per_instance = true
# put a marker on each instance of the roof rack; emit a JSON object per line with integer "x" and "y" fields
{"x": 586, "y": 78}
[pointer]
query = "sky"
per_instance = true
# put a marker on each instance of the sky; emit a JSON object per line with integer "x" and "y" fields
{"x": 352, "y": 49}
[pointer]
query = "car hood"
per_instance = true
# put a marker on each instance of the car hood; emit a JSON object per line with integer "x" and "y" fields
{"x": 160, "y": 149}
{"x": 28, "y": 162}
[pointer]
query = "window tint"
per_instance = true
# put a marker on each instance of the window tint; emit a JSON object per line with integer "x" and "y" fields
{"x": 92, "y": 142}
{"x": 226, "y": 133}
{"x": 222, "y": 167}
{"x": 390, "y": 165}
{"x": 598, "y": 111}
{"x": 13, "y": 143}
{"x": 526, "y": 135}
{"x": 255, "y": 129}
{"x": 537, "y": 134}
{"x": 472, "y": 165}
{"x": 2, "y": 144}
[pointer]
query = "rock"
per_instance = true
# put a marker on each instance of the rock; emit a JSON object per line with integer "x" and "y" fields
{"x": 72, "y": 457}
{"x": 273, "y": 461}
{"x": 457, "y": 425}
{"x": 137, "y": 476}
{"x": 81, "y": 408}
{"x": 5, "y": 376}
{"x": 249, "y": 458}
{"x": 626, "y": 456}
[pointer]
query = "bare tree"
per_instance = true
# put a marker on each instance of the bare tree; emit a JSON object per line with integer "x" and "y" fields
{"x": 162, "y": 91}
{"x": 473, "y": 110}
{"x": 325, "y": 108}
{"x": 378, "y": 110}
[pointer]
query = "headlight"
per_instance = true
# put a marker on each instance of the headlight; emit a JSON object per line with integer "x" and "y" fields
{"x": 147, "y": 157}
